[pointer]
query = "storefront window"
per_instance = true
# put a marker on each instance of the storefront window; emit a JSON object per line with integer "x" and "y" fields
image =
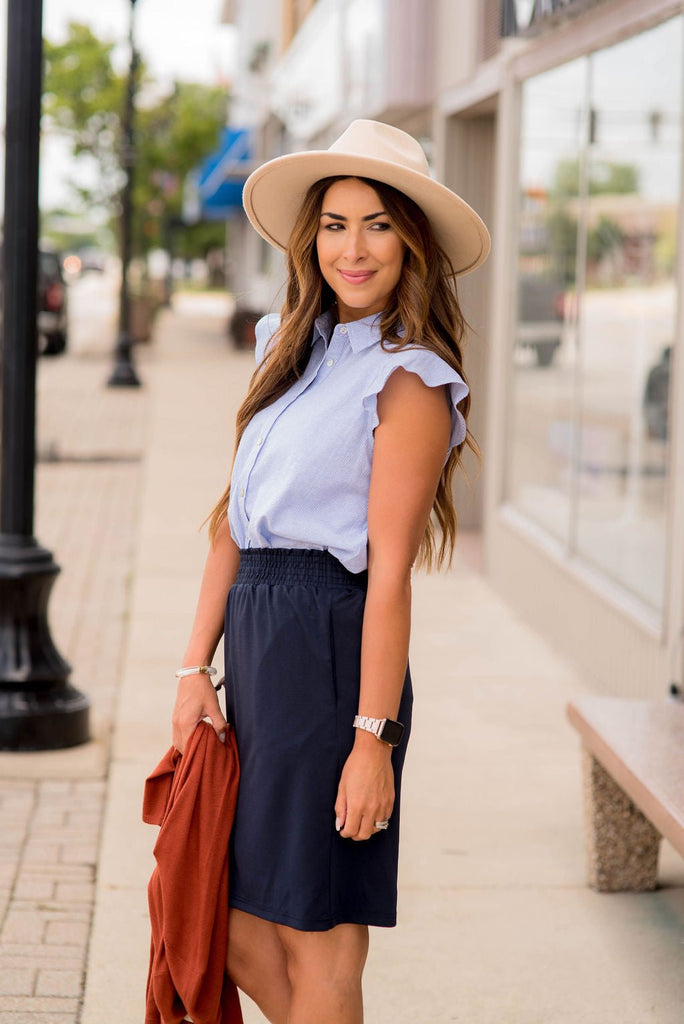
{"x": 545, "y": 350}
{"x": 588, "y": 457}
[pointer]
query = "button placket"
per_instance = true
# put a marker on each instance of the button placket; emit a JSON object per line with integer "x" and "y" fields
{"x": 293, "y": 394}
{"x": 336, "y": 347}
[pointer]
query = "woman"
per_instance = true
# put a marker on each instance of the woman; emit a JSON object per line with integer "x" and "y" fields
{"x": 347, "y": 440}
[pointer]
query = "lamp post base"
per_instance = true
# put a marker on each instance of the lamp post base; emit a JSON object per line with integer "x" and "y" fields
{"x": 39, "y": 709}
{"x": 123, "y": 374}
{"x": 43, "y": 721}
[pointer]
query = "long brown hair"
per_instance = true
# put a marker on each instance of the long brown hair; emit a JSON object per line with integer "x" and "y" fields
{"x": 423, "y": 307}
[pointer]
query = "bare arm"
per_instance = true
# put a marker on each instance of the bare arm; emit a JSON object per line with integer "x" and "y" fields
{"x": 196, "y": 697}
{"x": 410, "y": 446}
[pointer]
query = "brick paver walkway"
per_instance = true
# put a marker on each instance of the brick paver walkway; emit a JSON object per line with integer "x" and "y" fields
{"x": 48, "y": 851}
{"x": 90, "y": 445}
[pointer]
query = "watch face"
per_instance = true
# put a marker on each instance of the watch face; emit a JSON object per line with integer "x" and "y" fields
{"x": 392, "y": 733}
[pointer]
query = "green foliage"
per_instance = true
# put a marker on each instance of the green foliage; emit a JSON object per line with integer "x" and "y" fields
{"x": 84, "y": 99}
{"x": 613, "y": 179}
{"x": 605, "y": 178}
{"x": 562, "y": 229}
{"x": 172, "y": 137}
{"x": 603, "y": 238}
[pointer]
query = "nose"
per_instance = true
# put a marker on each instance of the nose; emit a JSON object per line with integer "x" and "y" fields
{"x": 355, "y": 245}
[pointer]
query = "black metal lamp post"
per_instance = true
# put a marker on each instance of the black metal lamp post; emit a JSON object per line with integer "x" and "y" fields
{"x": 39, "y": 709}
{"x": 124, "y": 375}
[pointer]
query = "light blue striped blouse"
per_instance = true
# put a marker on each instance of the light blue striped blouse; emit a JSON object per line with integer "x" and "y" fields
{"x": 302, "y": 471}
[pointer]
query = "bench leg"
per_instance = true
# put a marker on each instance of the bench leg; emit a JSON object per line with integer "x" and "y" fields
{"x": 622, "y": 845}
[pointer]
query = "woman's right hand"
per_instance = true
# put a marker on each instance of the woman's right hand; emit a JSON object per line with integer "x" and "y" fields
{"x": 196, "y": 699}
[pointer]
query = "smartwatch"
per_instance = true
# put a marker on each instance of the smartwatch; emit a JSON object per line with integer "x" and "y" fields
{"x": 384, "y": 728}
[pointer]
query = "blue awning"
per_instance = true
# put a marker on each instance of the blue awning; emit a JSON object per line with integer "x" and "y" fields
{"x": 214, "y": 188}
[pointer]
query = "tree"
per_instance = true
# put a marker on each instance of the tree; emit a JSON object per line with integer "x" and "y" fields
{"x": 178, "y": 131}
{"x": 605, "y": 178}
{"x": 83, "y": 98}
{"x": 603, "y": 239}
{"x": 562, "y": 233}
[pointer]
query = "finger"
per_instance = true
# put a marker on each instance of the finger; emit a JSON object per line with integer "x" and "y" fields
{"x": 177, "y": 737}
{"x": 365, "y": 831}
{"x": 340, "y": 811}
{"x": 185, "y": 738}
{"x": 182, "y": 731}
{"x": 352, "y": 823}
{"x": 386, "y": 813}
{"x": 219, "y": 724}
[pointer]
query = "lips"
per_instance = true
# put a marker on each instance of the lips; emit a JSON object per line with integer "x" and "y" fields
{"x": 356, "y": 276}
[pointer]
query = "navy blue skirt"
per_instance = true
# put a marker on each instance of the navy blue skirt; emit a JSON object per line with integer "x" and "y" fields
{"x": 293, "y": 655}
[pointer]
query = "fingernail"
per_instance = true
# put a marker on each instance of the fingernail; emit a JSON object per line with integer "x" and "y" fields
{"x": 338, "y": 824}
{"x": 222, "y": 737}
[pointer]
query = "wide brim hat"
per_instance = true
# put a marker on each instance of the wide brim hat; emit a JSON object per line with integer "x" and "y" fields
{"x": 274, "y": 193}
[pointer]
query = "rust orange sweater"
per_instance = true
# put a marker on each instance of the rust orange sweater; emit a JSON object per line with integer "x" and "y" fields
{"x": 193, "y": 799}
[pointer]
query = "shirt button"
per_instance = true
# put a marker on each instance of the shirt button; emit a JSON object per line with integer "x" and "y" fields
{"x": 260, "y": 440}
{"x": 330, "y": 362}
{"x": 343, "y": 330}
{"x": 242, "y": 492}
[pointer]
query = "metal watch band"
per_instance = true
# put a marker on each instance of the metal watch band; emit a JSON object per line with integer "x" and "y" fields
{"x": 373, "y": 725}
{"x": 384, "y": 729}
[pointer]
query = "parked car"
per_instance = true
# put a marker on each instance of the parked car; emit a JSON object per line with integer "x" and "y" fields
{"x": 92, "y": 259}
{"x": 52, "y": 320}
{"x": 541, "y": 313}
{"x": 656, "y": 397}
{"x": 52, "y": 304}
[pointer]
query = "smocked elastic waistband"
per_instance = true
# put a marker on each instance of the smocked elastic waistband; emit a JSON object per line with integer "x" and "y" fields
{"x": 296, "y": 565}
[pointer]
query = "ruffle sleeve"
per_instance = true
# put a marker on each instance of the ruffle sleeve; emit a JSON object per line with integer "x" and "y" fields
{"x": 264, "y": 331}
{"x": 433, "y": 371}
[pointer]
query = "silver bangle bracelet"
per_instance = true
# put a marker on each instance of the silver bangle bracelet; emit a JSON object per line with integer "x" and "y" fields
{"x": 196, "y": 670}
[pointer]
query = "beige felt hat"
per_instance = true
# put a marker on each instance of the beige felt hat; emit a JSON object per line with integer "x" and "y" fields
{"x": 274, "y": 193}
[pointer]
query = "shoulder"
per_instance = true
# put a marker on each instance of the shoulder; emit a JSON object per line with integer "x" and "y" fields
{"x": 424, "y": 369}
{"x": 264, "y": 331}
{"x": 423, "y": 363}
{"x": 405, "y": 397}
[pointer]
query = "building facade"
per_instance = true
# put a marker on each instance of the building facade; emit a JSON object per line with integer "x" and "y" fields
{"x": 560, "y": 121}
{"x": 305, "y": 69}
{"x": 577, "y": 111}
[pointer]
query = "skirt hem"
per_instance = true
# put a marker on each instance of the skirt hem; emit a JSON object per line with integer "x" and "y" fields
{"x": 320, "y": 925}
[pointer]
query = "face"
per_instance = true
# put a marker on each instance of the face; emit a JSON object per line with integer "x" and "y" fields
{"x": 359, "y": 252}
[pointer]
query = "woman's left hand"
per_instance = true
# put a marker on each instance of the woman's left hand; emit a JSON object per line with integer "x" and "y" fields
{"x": 366, "y": 790}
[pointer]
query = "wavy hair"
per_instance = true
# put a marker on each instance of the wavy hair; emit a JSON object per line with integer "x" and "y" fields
{"x": 423, "y": 310}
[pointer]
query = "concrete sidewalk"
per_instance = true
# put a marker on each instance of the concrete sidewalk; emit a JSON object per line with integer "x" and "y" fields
{"x": 496, "y": 924}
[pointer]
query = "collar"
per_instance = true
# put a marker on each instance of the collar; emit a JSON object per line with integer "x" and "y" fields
{"x": 362, "y": 333}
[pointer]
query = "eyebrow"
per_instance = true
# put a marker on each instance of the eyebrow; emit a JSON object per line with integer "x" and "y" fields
{"x": 338, "y": 216}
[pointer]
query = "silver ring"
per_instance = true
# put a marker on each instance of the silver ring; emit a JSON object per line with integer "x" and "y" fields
{"x": 382, "y": 824}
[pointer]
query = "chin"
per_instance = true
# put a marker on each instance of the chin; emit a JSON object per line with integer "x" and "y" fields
{"x": 363, "y": 302}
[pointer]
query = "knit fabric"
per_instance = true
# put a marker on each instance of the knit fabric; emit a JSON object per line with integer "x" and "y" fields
{"x": 193, "y": 799}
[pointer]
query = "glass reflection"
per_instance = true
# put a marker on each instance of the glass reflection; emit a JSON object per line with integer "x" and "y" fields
{"x": 628, "y": 307}
{"x": 544, "y": 359}
{"x": 600, "y": 175}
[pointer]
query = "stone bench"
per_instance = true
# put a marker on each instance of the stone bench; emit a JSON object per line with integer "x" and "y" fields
{"x": 633, "y": 753}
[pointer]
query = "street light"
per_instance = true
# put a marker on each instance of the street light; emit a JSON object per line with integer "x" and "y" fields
{"x": 39, "y": 709}
{"x": 123, "y": 374}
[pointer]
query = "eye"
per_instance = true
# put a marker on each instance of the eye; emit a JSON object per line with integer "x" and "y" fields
{"x": 381, "y": 225}
{"x": 332, "y": 226}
